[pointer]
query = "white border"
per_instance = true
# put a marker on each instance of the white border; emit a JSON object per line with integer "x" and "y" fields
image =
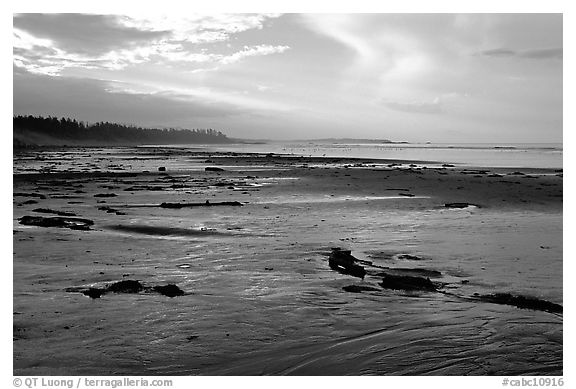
{"x": 305, "y": 6}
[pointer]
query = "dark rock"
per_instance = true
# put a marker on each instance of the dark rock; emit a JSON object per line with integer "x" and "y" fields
{"x": 59, "y": 213}
{"x": 110, "y": 210}
{"x": 409, "y": 257}
{"x": 143, "y": 187}
{"x": 126, "y": 286}
{"x": 161, "y": 169}
{"x": 447, "y": 165}
{"x": 522, "y": 302}
{"x": 457, "y": 205}
{"x": 74, "y": 223}
{"x": 407, "y": 283}
{"x": 406, "y": 194}
{"x": 343, "y": 262}
{"x": 94, "y": 292}
{"x": 105, "y": 195}
{"x": 359, "y": 288}
{"x": 169, "y": 290}
{"x": 213, "y": 169}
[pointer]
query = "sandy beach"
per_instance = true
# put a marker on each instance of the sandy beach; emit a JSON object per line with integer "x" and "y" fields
{"x": 247, "y": 237}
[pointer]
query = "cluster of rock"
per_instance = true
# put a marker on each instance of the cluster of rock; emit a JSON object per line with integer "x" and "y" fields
{"x": 344, "y": 262}
{"x": 130, "y": 287}
{"x": 396, "y": 279}
{"x": 521, "y": 302}
{"x": 73, "y": 223}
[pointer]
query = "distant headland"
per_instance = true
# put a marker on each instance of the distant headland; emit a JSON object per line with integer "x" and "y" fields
{"x": 355, "y": 141}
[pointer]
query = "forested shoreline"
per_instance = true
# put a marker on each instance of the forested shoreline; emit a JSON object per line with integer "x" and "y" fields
{"x": 38, "y": 131}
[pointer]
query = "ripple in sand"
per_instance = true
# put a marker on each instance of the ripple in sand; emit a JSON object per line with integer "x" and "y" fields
{"x": 332, "y": 199}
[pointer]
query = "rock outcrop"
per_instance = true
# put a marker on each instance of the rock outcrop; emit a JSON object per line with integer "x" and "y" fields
{"x": 343, "y": 262}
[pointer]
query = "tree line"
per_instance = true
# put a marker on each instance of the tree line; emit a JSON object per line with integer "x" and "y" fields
{"x": 78, "y": 131}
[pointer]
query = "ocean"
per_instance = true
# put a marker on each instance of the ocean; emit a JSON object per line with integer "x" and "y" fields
{"x": 517, "y": 155}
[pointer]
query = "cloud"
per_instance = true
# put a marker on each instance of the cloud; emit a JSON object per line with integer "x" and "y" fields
{"x": 49, "y": 44}
{"x": 498, "y": 53}
{"x": 555, "y": 53}
{"x": 94, "y": 99}
{"x": 82, "y": 34}
{"x": 242, "y": 102}
{"x": 251, "y": 51}
{"x": 263, "y": 88}
{"x": 223, "y": 59}
{"x": 434, "y": 107}
{"x": 199, "y": 28}
{"x": 312, "y": 72}
{"x": 547, "y": 53}
{"x": 376, "y": 48}
{"x": 394, "y": 50}
{"x": 395, "y": 47}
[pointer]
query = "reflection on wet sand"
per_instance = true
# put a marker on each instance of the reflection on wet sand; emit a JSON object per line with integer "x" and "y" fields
{"x": 259, "y": 294}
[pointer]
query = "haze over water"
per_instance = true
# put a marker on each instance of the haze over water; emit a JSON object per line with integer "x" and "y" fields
{"x": 520, "y": 155}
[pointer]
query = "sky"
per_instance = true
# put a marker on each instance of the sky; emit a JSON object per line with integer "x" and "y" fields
{"x": 494, "y": 78}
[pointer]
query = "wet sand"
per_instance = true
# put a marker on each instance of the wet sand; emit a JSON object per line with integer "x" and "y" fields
{"x": 260, "y": 297}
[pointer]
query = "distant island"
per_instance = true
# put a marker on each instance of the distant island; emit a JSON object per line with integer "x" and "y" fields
{"x": 30, "y": 131}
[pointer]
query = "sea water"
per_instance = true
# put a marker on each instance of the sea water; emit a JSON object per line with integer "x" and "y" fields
{"x": 527, "y": 155}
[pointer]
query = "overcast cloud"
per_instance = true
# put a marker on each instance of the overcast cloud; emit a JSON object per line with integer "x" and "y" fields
{"x": 414, "y": 77}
